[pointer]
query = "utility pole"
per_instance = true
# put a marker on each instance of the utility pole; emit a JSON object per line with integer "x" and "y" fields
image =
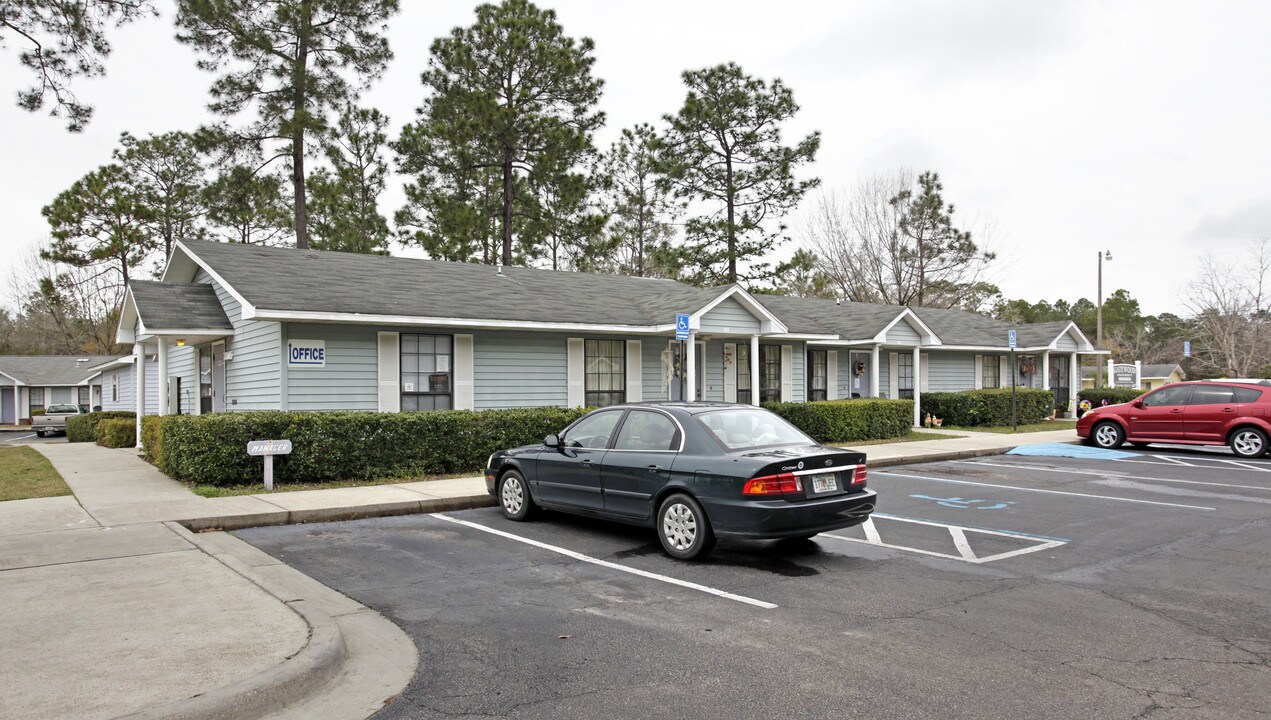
{"x": 1098, "y": 343}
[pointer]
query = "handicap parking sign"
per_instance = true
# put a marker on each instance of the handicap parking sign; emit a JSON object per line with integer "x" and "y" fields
{"x": 681, "y": 326}
{"x": 1011, "y": 339}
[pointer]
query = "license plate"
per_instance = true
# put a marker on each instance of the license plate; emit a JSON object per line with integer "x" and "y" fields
{"x": 824, "y": 483}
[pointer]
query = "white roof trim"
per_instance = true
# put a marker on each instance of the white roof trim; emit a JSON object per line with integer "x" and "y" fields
{"x": 16, "y": 381}
{"x": 1081, "y": 338}
{"x": 413, "y": 320}
{"x": 930, "y": 339}
{"x": 125, "y": 331}
{"x": 768, "y": 323}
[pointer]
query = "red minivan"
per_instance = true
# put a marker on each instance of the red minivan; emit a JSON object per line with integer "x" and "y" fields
{"x": 1191, "y": 413}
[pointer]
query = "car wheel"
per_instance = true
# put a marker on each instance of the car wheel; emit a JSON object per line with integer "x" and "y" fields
{"x": 1107, "y": 435}
{"x": 1249, "y": 442}
{"x": 39, "y": 433}
{"x": 514, "y": 497}
{"x": 683, "y": 528}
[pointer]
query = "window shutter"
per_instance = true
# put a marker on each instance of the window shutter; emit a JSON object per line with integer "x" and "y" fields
{"x": 979, "y": 372}
{"x": 832, "y": 375}
{"x": 575, "y": 379}
{"x": 465, "y": 396}
{"x": 730, "y": 372}
{"x": 924, "y": 359}
{"x": 635, "y": 371}
{"x": 787, "y": 373}
{"x": 894, "y": 386}
{"x": 1004, "y": 377}
{"x": 390, "y": 374}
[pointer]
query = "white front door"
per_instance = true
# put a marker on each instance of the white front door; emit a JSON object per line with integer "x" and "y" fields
{"x": 218, "y": 377}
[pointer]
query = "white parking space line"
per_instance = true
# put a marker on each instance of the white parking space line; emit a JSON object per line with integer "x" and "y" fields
{"x": 1237, "y": 465}
{"x": 24, "y": 437}
{"x": 1117, "y": 475}
{"x": 1174, "y": 460}
{"x": 1240, "y": 464}
{"x": 957, "y": 533}
{"x": 1040, "y": 490}
{"x": 610, "y": 565}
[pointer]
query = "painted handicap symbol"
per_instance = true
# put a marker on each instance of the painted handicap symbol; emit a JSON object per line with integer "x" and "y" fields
{"x": 963, "y": 504}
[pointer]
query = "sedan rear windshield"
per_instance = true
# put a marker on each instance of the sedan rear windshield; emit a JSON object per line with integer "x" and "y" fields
{"x": 744, "y": 428}
{"x": 61, "y": 409}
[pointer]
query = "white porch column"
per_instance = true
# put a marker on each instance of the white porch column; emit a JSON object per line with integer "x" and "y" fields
{"x": 690, "y": 369}
{"x": 139, "y": 385}
{"x": 1074, "y": 383}
{"x": 163, "y": 376}
{"x": 1046, "y": 370}
{"x": 754, "y": 370}
{"x": 1110, "y": 364}
{"x": 917, "y": 388}
{"x": 1138, "y": 374}
{"x": 874, "y": 370}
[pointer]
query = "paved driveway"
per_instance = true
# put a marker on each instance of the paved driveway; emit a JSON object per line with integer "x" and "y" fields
{"x": 1002, "y": 587}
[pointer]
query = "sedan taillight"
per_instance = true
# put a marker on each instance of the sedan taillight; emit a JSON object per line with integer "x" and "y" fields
{"x": 858, "y": 477}
{"x": 773, "y": 485}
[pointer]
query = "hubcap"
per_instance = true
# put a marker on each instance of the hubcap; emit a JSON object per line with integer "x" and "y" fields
{"x": 679, "y": 526}
{"x": 513, "y": 495}
{"x": 1248, "y": 443}
{"x": 1106, "y": 436}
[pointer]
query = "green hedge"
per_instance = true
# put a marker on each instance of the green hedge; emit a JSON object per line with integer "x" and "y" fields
{"x": 117, "y": 433}
{"x": 1114, "y": 396}
{"x": 152, "y": 437}
{"x": 83, "y": 428}
{"x": 972, "y": 408}
{"x": 842, "y": 421}
{"x": 212, "y": 449}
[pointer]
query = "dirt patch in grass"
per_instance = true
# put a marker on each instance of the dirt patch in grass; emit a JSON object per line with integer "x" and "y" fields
{"x": 25, "y": 474}
{"x": 215, "y": 491}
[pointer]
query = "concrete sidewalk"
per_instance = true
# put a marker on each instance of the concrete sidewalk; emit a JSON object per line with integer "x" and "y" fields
{"x": 115, "y": 608}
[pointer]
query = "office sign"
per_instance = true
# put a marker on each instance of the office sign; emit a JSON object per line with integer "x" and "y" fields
{"x": 306, "y": 353}
{"x": 1125, "y": 376}
{"x": 681, "y": 326}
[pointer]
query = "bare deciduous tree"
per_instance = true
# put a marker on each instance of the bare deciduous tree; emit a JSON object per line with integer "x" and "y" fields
{"x": 877, "y": 244}
{"x": 1230, "y": 308}
{"x": 61, "y": 308}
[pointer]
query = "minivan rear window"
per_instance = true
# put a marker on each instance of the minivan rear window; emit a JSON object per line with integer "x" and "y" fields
{"x": 1247, "y": 395}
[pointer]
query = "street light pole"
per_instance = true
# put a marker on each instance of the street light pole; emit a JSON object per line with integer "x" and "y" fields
{"x": 1105, "y": 255}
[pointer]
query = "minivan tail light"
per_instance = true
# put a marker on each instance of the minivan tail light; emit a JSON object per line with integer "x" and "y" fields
{"x": 773, "y": 485}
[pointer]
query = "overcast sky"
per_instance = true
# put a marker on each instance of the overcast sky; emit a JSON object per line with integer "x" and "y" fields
{"x": 1071, "y": 127}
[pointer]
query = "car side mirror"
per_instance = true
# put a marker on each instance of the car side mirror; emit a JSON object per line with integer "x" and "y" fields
{"x": 551, "y": 441}
{"x": 1137, "y": 403}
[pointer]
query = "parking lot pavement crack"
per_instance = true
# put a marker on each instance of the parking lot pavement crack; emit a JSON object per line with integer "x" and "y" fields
{"x": 1228, "y": 642}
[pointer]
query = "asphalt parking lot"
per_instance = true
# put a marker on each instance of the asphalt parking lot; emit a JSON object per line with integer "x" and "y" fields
{"x": 1000, "y": 587}
{"x": 28, "y": 438}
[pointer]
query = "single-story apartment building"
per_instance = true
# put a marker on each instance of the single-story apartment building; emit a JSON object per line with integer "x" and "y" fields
{"x": 233, "y": 327}
{"x": 33, "y": 382}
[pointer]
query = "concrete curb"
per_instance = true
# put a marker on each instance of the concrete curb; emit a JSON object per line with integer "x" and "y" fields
{"x": 285, "y": 684}
{"x": 942, "y": 456}
{"x": 336, "y": 514}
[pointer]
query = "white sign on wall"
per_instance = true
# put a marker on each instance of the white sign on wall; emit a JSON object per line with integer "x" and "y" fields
{"x": 306, "y": 353}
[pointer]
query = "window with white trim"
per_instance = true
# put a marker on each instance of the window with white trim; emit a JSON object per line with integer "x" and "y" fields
{"x": 743, "y": 374}
{"x": 605, "y": 363}
{"x": 990, "y": 371}
{"x": 769, "y": 373}
{"x": 427, "y": 372}
{"x": 35, "y": 400}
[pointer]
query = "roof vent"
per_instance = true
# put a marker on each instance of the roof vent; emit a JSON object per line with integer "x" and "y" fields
{"x": 838, "y": 301}
{"x": 498, "y": 268}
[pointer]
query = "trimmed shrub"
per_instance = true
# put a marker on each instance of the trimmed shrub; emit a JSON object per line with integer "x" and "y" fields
{"x": 117, "y": 433}
{"x": 1114, "y": 396}
{"x": 36, "y": 412}
{"x": 842, "y": 421}
{"x": 212, "y": 449}
{"x": 83, "y": 428}
{"x": 152, "y": 437}
{"x": 980, "y": 408}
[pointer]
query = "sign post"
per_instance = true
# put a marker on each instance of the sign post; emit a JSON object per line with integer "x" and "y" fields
{"x": 268, "y": 449}
{"x": 1012, "y": 340}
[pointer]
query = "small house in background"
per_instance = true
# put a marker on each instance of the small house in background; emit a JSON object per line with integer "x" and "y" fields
{"x": 30, "y": 383}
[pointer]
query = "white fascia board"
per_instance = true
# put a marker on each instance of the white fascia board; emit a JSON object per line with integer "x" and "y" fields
{"x": 1081, "y": 338}
{"x": 15, "y": 380}
{"x": 809, "y": 338}
{"x": 191, "y": 331}
{"x": 417, "y": 321}
{"x": 929, "y": 337}
{"x": 249, "y": 310}
{"x": 125, "y": 332}
{"x": 768, "y": 323}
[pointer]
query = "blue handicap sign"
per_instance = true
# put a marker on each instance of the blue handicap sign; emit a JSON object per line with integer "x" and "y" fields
{"x": 681, "y": 326}
{"x": 963, "y": 504}
{"x": 1011, "y": 339}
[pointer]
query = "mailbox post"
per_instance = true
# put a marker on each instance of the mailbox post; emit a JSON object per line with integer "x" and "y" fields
{"x": 268, "y": 449}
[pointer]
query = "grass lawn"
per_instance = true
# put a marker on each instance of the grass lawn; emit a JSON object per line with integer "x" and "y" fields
{"x": 25, "y": 473}
{"x": 215, "y": 491}
{"x": 911, "y": 437}
{"x": 1044, "y": 426}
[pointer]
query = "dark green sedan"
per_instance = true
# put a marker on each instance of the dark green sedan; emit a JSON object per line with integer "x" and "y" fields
{"x": 694, "y": 472}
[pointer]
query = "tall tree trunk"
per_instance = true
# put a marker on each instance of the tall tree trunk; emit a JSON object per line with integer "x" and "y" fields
{"x": 732, "y": 228}
{"x": 300, "y": 75}
{"x": 507, "y": 206}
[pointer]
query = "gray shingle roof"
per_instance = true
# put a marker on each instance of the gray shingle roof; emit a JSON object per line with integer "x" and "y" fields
{"x": 178, "y": 306}
{"x": 308, "y": 280}
{"x": 1165, "y": 370}
{"x": 849, "y": 320}
{"x": 50, "y": 370}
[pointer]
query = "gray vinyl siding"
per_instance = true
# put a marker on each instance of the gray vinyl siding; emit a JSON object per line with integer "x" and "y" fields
{"x": 183, "y": 363}
{"x": 799, "y": 361}
{"x": 884, "y": 373}
{"x": 519, "y": 369}
{"x": 730, "y": 316}
{"x": 950, "y": 371}
{"x": 253, "y": 379}
{"x": 713, "y": 380}
{"x": 902, "y": 334}
{"x": 653, "y": 378}
{"x": 1066, "y": 342}
{"x": 348, "y": 381}
{"x": 127, "y": 385}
